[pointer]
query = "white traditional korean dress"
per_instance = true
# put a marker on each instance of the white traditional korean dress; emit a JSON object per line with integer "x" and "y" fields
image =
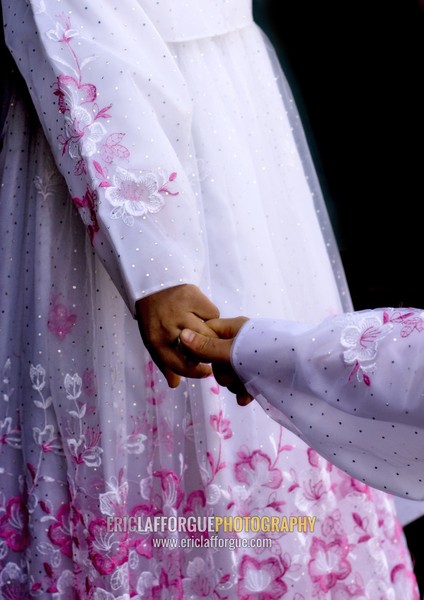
{"x": 165, "y": 125}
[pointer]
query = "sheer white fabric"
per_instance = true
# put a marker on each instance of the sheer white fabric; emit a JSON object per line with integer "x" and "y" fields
{"x": 351, "y": 387}
{"x": 180, "y": 156}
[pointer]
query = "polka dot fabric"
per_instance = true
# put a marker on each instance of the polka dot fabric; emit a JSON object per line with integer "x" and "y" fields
{"x": 169, "y": 151}
{"x": 351, "y": 388}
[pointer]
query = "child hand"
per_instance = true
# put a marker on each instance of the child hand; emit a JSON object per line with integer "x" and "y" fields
{"x": 218, "y": 352}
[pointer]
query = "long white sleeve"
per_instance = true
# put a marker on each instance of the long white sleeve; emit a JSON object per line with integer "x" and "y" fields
{"x": 352, "y": 388}
{"x": 117, "y": 114}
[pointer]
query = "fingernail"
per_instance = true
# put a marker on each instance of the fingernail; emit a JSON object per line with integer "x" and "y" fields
{"x": 187, "y": 335}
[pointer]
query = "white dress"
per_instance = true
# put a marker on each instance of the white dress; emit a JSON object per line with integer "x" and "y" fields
{"x": 177, "y": 142}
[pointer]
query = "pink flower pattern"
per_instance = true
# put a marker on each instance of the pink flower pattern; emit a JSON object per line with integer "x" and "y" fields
{"x": 77, "y": 554}
{"x": 361, "y": 339}
{"x": 85, "y": 137}
{"x": 14, "y": 525}
{"x": 61, "y": 319}
{"x": 328, "y": 562}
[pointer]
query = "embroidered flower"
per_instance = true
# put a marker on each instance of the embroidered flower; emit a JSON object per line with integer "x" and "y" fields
{"x": 13, "y": 583}
{"x": 256, "y": 470}
{"x": 47, "y": 439}
{"x": 61, "y": 320}
{"x": 85, "y": 449}
{"x": 261, "y": 580}
{"x": 113, "y": 501}
{"x": 328, "y": 562}
{"x": 107, "y": 550}
{"x": 196, "y": 507}
{"x": 87, "y": 207}
{"x": 172, "y": 494}
{"x": 221, "y": 425}
{"x": 201, "y": 581}
{"x": 38, "y": 377}
{"x": 361, "y": 339}
{"x": 62, "y": 31}
{"x": 9, "y": 435}
{"x": 134, "y": 196}
{"x": 167, "y": 587}
{"x": 72, "y": 94}
{"x": 14, "y": 525}
{"x": 59, "y": 532}
{"x": 73, "y": 385}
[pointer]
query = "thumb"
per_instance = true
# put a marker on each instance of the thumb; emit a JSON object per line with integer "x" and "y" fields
{"x": 206, "y": 348}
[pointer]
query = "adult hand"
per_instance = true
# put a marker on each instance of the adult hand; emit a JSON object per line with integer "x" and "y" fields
{"x": 218, "y": 352}
{"x": 161, "y": 318}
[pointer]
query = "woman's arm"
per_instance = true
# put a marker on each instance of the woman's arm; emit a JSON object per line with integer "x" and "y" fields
{"x": 117, "y": 114}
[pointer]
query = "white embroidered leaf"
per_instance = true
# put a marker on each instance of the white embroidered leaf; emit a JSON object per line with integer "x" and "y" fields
{"x": 45, "y": 549}
{"x": 47, "y": 479}
{"x": 6, "y": 371}
{"x": 78, "y": 414}
{"x": 60, "y": 60}
{"x": 87, "y": 60}
{"x": 3, "y": 549}
{"x": 39, "y": 404}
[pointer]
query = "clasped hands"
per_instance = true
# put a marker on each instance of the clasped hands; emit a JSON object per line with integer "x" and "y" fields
{"x": 184, "y": 314}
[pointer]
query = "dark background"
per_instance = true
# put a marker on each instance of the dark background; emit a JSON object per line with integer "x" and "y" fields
{"x": 356, "y": 71}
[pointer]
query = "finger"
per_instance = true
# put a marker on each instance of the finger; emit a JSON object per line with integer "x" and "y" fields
{"x": 243, "y": 399}
{"x": 227, "y": 328}
{"x": 172, "y": 378}
{"x": 206, "y": 348}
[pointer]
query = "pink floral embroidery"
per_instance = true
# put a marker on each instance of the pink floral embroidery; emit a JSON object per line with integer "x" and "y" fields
{"x": 14, "y": 525}
{"x": 89, "y": 382}
{"x": 361, "y": 341}
{"x": 87, "y": 206}
{"x": 61, "y": 320}
{"x": 85, "y": 449}
{"x": 107, "y": 550}
{"x": 13, "y": 583}
{"x": 196, "y": 507}
{"x": 59, "y": 532}
{"x": 409, "y": 321}
{"x": 261, "y": 580}
{"x": 85, "y": 136}
{"x": 362, "y": 337}
{"x": 167, "y": 588}
{"x": 221, "y": 425}
{"x": 256, "y": 470}
{"x": 171, "y": 491}
{"x": 137, "y": 195}
{"x": 202, "y": 581}
{"x": 47, "y": 439}
{"x": 328, "y": 562}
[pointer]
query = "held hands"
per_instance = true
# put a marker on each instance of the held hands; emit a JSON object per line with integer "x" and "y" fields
{"x": 161, "y": 318}
{"x": 218, "y": 352}
{"x": 180, "y": 328}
